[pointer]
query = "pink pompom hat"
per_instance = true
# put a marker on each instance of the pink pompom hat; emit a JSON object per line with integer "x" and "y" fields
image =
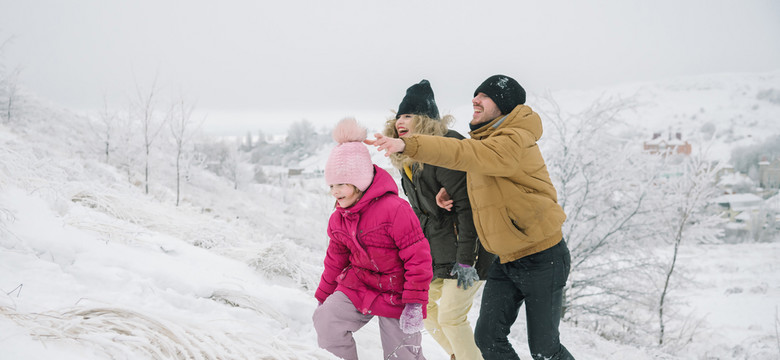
{"x": 349, "y": 162}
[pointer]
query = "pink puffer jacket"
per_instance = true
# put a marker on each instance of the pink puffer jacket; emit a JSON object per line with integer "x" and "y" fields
{"x": 378, "y": 255}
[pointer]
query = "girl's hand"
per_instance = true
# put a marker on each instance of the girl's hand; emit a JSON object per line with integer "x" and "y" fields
{"x": 411, "y": 318}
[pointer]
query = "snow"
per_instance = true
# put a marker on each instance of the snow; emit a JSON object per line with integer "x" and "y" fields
{"x": 91, "y": 267}
{"x": 734, "y": 179}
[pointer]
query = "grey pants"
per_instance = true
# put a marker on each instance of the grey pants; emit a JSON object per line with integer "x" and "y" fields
{"x": 337, "y": 318}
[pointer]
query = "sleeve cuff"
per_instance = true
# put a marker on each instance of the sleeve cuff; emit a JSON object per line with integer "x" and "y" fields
{"x": 410, "y": 146}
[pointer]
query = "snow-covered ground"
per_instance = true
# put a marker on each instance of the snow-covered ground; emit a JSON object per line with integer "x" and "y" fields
{"x": 93, "y": 268}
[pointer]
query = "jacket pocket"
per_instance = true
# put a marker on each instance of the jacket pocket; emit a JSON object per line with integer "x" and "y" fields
{"x": 512, "y": 225}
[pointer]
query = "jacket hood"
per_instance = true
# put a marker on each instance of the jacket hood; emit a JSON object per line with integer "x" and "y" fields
{"x": 382, "y": 184}
{"x": 521, "y": 117}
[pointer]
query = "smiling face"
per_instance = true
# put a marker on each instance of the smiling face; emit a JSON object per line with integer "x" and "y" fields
{"x": 484, "y": 109}
{"x": 346, "y": 194}
{"x": 404, "y": 125}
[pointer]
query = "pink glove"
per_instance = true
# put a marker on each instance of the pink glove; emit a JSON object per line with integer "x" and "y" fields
{"x": 412, "y": 318}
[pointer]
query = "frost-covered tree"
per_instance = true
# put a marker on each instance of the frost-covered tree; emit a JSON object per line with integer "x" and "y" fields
{"x": 145, "y": 112}
{"x": 6, "y": 172}
{"x": 236, "y": 166}
{"x": 745, "y": 158}
{"x": 302, "y": 141}
{"x": 624, "y": 208}
{"x": 761, "y": 225}
{"x": 603, "y": 185}
{"x": 681, "y": 215}
{"x": 10, "y": 97}
{"x": 182, "y": 127}
{"x": 226, "y": 159}
{"x": 261, "y": 138}
{"x": 248, "y": 143}
{"x": 104, "y": 127}
{"x": 300, "y": 134}
{"x": 128, "y": 145}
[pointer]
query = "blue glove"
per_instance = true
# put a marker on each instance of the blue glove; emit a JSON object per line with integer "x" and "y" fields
{"x": 466, "y": 274}
{"x": 411, "y": 318}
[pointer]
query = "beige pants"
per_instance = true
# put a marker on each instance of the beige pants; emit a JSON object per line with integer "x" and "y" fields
{"x": 447, "y": 321}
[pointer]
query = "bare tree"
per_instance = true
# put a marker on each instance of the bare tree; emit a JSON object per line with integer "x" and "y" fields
{"x": 151, "y": 124}
{"x": 9, "y": 87}
{"x": 181, "y": 126}
{"x": 125, "y": 154}
{"x": 248, "y": 143}
{"x": 227, "y": 159}
{"x": 105, "y": 129}
{"x": 761, "y": 224}
{"x": 11, "y": 94}
{"x": 623, "y": 207}
{"x": 684, "y": 217}
{"x": 602, "y": 185}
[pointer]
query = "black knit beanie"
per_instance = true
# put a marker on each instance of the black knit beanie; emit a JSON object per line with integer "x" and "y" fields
{"x": 419, "y": 101}
{"x": 504, "y": 91}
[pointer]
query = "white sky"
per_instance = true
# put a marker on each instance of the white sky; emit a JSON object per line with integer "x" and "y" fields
{"x": 346, "y": 57}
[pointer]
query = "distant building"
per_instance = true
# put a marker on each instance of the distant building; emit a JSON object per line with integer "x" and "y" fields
{"x": 670, "y": 145}
{"x": 735, "y": 204}
{"x": 769, "y": 173}
{"x": 739, "y": 202}
{"x": 728, "y": 181}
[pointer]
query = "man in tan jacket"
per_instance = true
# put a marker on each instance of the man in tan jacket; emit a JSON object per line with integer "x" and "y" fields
{"x": 516, "y": 214}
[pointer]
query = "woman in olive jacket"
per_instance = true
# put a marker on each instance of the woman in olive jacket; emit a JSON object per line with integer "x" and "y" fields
{"x": 459, "y": 260}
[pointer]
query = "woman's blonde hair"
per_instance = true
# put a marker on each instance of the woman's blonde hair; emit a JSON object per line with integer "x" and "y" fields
{"x": 421, "y": 124}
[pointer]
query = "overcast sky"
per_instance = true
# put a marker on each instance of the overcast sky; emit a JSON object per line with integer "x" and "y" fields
{"x": 351, "y": 57}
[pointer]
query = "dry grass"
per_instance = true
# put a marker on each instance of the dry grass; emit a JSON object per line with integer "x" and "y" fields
{"x": 126, "y": 334}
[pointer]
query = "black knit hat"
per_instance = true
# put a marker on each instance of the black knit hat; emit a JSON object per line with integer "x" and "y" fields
{"x": 504, "y": 91}
{"x": 419, "y": 100}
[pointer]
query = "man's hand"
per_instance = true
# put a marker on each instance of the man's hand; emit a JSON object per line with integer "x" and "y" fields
{"x": 443, "y": 200}
{"x": 387, "y": 144}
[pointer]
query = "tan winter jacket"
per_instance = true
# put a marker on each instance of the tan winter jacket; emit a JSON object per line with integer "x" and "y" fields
{"x": 514, "y": 203}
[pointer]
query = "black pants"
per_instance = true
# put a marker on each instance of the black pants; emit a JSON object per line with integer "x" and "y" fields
{"x": 537, "y": 280}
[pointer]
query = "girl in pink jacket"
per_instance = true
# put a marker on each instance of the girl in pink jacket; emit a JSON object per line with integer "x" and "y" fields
{"x": 378, "y": 262}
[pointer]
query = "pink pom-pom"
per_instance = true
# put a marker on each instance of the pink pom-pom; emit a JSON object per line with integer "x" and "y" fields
{"x": 348, "y": 130}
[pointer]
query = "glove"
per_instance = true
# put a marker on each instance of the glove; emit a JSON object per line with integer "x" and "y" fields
{"x": 412, "y": 318}
{"x": 466, "y": 274}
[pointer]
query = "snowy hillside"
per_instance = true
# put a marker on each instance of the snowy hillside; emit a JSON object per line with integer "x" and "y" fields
{"x": 716, "y": 113}
{"x": 91, "y": 267}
